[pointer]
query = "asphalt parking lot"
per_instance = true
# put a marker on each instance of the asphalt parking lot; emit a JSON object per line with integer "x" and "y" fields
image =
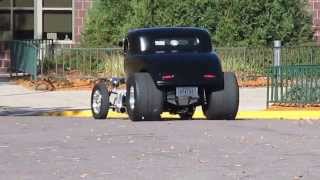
{"x": 72, "y": 148}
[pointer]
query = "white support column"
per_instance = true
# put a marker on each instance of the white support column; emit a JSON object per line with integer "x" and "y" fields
{"x": 38, "y": 19}
{"x": 73, "y": 20}
{"x": 277, "y": 53}
{"x": 11, "y": 20}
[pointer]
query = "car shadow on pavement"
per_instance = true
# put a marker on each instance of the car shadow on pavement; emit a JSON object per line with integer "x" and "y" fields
{"x": 28, "y": 111}
{"x": 172, "y": 119}
{"x": 4, "y": 79}
{"x": 27, "y": 93}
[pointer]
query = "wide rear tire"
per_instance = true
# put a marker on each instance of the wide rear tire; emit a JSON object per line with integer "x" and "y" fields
{"x": 224, "y": 104}
{"x": 100, "y": 101}
{"x": 144, "y": 100}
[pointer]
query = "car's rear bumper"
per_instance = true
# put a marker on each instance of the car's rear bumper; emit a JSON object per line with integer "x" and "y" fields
{"x": 214, "y": 84}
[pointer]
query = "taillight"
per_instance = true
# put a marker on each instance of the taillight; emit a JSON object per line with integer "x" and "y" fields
{"x": 167, "y": 77}
{"x": 209, "y": 76}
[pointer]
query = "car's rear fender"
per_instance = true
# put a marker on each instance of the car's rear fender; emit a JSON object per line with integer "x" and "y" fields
{"x": 177, "y": 69}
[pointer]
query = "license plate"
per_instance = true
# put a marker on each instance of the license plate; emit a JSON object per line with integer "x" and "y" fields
{"x": 187, "y": 91}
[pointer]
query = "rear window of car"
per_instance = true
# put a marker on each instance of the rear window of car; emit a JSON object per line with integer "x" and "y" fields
{"x": 173, "y": 45}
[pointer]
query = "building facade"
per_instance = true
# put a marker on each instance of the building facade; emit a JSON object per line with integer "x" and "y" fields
{"x": 315, "y": 6}
{"x": 61, "y": 20}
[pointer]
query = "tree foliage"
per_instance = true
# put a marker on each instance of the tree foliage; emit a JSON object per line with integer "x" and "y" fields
{"x": 230, "y": 22}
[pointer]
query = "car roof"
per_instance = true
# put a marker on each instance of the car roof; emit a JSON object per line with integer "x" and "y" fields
{"x": 170, "y": 31}
{"x": 150, "y": 34}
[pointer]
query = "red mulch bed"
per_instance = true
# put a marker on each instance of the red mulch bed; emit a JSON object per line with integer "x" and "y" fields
{"x": 72, "y": 81}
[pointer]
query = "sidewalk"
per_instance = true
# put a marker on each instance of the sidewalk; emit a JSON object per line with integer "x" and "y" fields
{"x": 15, "y": 100}
{"x": 18, "y": 101}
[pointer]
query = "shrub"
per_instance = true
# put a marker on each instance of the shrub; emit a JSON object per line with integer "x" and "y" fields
{"x": 230, "y": 22}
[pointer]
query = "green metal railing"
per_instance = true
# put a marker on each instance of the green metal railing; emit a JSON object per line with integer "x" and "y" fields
{"x": 303, "y": 55}
{"x": 251, "y": 62}
{"x": 294, "y": 84}
{"x": 246, "y": 62}
{"x": 45, "y": 50}
{"x": 44, "y": 43}
{"x": 23, "y": 58}
{"x": 86, "y": 62}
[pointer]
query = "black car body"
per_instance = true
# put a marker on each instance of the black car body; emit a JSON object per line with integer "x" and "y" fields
{"x": 174, "y": 57}
{"x": 169, "y": 70}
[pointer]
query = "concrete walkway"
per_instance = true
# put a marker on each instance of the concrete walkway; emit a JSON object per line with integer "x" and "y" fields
{"x": 252, "y": 99}
{"x": 17, "y": 100}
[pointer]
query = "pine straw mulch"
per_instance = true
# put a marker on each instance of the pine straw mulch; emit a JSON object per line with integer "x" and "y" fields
{"x": 294, "y": 107}
{"x": 73, "y": 82}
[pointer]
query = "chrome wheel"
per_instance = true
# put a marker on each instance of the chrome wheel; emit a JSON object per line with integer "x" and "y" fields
{"x": 131, "y": 98}
{"x": 96, "y": 102}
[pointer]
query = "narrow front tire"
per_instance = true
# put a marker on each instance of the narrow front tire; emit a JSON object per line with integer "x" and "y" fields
{"x": 100, "y": 101}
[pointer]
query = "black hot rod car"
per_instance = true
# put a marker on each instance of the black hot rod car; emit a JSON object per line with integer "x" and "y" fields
{"x": 168, "y": 70}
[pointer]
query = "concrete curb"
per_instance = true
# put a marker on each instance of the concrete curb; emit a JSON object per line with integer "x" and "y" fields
{"x": 243, "y": 115}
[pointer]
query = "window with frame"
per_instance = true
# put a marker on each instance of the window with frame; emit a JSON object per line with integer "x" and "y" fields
{"x": 23, "y": 24}
{"x": 57, "y": 20}
{"x": 57, "y": 3}
{"x": 17, "y": 18}
{"x": 5, "y": 20}
{"x": 23, "y": 3}
{"x": 5, "y": 3}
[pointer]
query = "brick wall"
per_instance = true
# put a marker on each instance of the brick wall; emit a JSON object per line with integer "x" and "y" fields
{"x": 315, "y": 6}
{"x": 4, "y": 57}
{"x": 81, "y": 9}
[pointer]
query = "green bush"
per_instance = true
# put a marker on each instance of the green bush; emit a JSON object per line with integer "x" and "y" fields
{"x": 301, "y": 94}
{"x": 230, "y": 22}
